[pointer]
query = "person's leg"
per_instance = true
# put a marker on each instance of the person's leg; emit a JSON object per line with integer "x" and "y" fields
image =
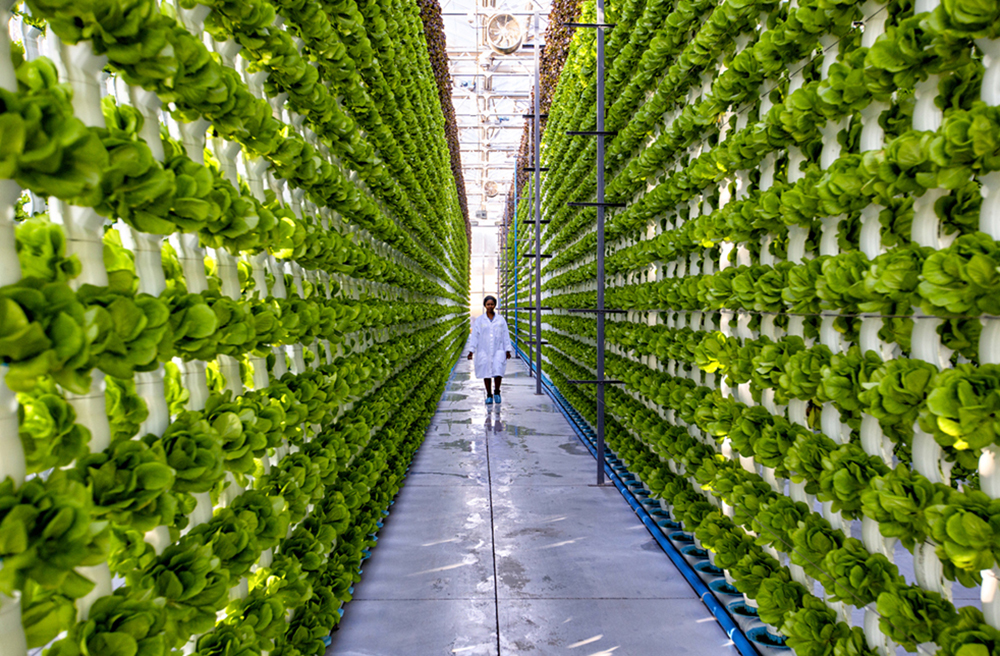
{"x": 489, "y": 386}
{"x": 496, "y": 383}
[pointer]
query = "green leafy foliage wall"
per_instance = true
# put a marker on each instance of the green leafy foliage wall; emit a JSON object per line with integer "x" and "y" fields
{"x": 430, "y": 14}
{"x": 808, "y": 262}
{"x": 235, "y": 271}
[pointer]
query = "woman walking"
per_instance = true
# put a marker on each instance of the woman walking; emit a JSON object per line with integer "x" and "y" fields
{"x": 491, "y": 339}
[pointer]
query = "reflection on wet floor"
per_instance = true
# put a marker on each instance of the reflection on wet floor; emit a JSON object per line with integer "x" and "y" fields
{"x": 461, "y": 445}
{"x": 499, "y": 544}
{"x": 494, "y": 427}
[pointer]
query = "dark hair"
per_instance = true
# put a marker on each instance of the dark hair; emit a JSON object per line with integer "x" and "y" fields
{"x": 489, "y": 298}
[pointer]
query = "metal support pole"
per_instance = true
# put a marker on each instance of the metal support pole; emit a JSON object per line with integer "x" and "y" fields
{"x": 600, "y": 243}
{"x": 501, "y": 267}
{"x": 514, "y": 270}
{"x": 528, "y": 285}
{"x": 538, "y": 212}
{"x": 530, "y": 273}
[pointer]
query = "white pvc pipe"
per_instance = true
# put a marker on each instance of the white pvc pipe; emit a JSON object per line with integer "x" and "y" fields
{"x": 926, "y": 224}
{"x": 926, "y": 114}
{"x": 225, "y": 263}
{"x": 989, "y": 213}
{"x": 989, "y": 597}
{"x": 927, "y": 457}
{"x": 83, "y": 72}
{"x": 8, "y": 78}
{"x": 101, "y": 576}
{"x": 14, "y": 642}
{"x": 90, "y": 412}
{"x": 989, "y": 476}
{"x": 12, "y": 462}
{"x": 10, "y": 193}
{"x": 929, "y": 570}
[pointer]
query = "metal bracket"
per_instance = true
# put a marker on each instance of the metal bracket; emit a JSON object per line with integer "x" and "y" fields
{"x": 590, "y": 133}
{"x": 578, "y": 204}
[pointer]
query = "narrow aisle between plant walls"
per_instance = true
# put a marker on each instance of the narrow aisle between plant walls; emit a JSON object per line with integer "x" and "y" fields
{"x": 500, "y": 544}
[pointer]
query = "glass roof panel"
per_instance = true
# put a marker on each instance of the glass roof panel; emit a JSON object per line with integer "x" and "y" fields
{"x": 491, "y": 93}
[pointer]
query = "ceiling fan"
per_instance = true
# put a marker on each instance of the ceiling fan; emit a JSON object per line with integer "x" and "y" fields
{"x": 503, "y": 33}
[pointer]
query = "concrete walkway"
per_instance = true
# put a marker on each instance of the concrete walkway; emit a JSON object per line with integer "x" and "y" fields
{"x": 501, "y": 544}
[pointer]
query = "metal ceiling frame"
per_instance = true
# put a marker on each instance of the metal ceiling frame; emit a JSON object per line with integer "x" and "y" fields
{"x": 493, "y": 117}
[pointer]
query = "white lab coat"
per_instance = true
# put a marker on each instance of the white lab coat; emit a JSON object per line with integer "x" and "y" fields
{"x": 490, "y": 341}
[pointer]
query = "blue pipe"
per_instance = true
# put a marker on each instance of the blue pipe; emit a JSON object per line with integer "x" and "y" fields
{"x": 717, "y": 608}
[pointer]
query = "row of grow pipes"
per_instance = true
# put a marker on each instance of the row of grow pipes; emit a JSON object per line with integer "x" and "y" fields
{"x": 84, "y": 230}
{"x": 927, "y": 454}
{"x": 10, "y": 442}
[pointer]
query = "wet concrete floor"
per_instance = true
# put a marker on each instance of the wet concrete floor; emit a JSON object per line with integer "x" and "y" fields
{"x": 501, "y": 544}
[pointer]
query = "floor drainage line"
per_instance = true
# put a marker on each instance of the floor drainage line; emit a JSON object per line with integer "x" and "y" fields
{"x": 705, "y": 594}
{"x": 493, "y": 534}
{"x": 493, "y": 541}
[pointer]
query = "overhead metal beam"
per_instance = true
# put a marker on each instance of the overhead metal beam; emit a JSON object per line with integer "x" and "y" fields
{"x": 491, "y": 74}
{"x": 498, "y": 126}
{"x": 512, "y": 13}
{"x": 490, "y": 95}
{"x": 462, "y": 55}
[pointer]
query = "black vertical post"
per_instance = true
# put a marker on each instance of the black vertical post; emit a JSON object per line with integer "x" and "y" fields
{"x": 528, "y": 284}
{"x": 538, "y": 212}
{"x": 514, "y": 272}
{"x": 600, "y": 133}
{"x": 502, "y": 267}
{"x": 600, "y": 243}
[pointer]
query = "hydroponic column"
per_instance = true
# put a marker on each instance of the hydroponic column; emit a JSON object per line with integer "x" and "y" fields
{"x": 872, "y": 138}
{"x": 293, "y": 199}
{"x": 324, "y": 277}
{"x": 12, "y": 462}
{"x": 14, "y": 642}
{"x": 313, "y": 277}
{"x": 192, "y": 258}
{"x": 225, "y": 263}
{"x": 989, "y": 217}
{"x": 989, "y": 340}
{"x": 256, "y": 169}
{"x": 84, "y": 230}
{"x": 989, "y": 222}
{"x": 226, "y": 268}
{"x": 928, "y": 457}
{"x": 147, "y": 249}
{"x": 11, "y": 452}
